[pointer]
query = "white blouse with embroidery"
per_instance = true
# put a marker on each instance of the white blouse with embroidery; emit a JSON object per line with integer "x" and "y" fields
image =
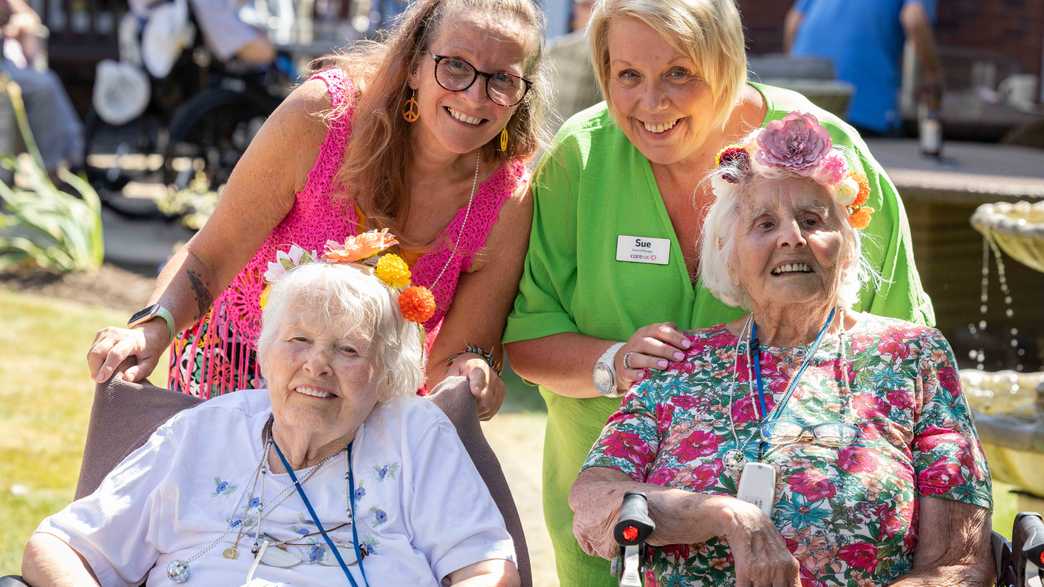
{"x": 421, "y": 508}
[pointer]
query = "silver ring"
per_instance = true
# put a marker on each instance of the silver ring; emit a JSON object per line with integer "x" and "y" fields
{"x": 627, "y": 360}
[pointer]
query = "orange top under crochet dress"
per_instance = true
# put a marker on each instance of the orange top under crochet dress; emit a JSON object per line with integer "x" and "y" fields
{"x": 217, "y": 354}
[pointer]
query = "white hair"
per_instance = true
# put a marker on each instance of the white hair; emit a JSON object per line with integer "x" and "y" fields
{"x": 718, "y": 240}
{"x": 353, "y": 299}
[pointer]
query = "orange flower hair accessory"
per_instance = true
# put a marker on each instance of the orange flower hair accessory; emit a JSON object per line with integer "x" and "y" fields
{"x": 416, "y": 302}
{"x": 359, "y": 247}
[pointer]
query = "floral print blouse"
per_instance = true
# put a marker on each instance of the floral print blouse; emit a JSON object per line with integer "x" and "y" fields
{"x": 849, "y": 514}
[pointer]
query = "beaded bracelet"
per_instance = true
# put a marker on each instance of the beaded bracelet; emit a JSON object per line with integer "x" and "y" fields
{"x": 485, "y": 355}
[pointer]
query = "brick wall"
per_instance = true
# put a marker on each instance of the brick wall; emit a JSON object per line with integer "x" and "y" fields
{"x": 1010, "y": 28}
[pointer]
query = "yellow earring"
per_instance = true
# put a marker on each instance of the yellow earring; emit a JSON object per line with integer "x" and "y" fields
{"x": 411, "y": 111}
{"x": 504, "y": 139}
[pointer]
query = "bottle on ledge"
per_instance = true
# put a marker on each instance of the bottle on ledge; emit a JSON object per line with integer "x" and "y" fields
{"x": 929, "y": 124}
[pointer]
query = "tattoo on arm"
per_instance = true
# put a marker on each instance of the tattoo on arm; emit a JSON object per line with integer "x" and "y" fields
{"x": 201, "y": 293}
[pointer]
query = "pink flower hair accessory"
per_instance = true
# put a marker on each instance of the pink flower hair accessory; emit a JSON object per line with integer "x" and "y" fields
{"x": 798, "y": 145}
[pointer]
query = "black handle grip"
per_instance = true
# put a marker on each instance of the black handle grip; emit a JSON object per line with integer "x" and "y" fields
{"x": 634, "y": 524}
{"x": 1027, "y": 542}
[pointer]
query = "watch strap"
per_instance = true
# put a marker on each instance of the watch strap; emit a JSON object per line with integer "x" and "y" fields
{"x": 156, "y": 311}
{"x": 169, "y": 319}
{"x": 607, "y": 360}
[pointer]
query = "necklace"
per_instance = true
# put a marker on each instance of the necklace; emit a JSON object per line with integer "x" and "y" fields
{"x": 463, "y": 224}
{"x": 735, "y": 458}
{"x": 179, "y": 570}
{"x": 233, "y": 551}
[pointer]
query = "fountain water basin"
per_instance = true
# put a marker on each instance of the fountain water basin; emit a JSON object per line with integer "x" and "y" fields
{"x": 1008, "y": 406}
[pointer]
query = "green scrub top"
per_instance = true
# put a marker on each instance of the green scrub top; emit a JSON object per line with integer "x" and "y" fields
{"x": 592, "y": 186}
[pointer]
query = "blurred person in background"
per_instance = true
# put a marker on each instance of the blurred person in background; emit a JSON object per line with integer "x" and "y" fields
{"x": 229, "y": 36}
{"x": 225, "y": 32}
{"x": 52, "y": 119}
{"x": 864, "y": 40}
{"x": 569, "y": 58}
{"x": 390, "y": 10}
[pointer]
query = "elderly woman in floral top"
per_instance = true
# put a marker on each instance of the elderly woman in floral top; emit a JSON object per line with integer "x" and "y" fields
{"x": 856, "y": 421}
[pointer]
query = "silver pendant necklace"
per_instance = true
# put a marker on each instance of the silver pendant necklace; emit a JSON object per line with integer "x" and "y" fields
{"x": 734, "y": 458}
{"x": 179, "y": 570}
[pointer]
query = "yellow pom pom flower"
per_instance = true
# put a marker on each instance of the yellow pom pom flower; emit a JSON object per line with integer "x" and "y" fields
{"x": 393, "y": 271}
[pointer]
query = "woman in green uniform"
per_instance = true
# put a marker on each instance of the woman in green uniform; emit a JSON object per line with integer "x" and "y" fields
{"x": 619, "y": 199}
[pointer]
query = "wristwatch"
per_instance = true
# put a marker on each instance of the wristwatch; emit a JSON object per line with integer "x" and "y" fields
{"x": 148, "y": 313}
{"x": 604, "y": 375}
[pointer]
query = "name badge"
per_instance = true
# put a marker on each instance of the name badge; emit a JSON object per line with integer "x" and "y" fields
{"x": 642, "y": 249}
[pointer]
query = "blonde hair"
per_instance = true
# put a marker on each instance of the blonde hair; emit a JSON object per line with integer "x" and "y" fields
{"x": 718, "y": 239}
{"x": 380, "y": 149}
{"x": 351, "y": 299}
{"x": 709, "y": 32}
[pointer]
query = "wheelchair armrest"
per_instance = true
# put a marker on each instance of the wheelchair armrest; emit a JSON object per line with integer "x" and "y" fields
{"x": 454, "y": 398}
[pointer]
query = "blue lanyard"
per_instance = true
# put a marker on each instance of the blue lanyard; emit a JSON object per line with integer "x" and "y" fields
{"x": 755, "y": 349}
{"x": 315, "y": 518}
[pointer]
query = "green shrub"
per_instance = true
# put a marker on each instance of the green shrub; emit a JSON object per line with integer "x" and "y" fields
{"x": 41, "y": 226}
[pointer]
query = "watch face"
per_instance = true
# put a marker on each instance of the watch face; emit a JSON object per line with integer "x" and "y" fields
{"x": 603, "y": 378}
{"x": 147, "y": 310}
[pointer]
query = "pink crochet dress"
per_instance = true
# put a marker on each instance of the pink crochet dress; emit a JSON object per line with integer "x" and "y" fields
{"x": 217, "y": 354}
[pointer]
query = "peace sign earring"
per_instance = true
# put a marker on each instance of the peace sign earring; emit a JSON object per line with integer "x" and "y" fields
{"x": 411, "y": 111}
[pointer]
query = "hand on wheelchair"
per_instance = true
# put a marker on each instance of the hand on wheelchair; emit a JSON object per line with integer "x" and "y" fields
{"x": 112, "y": 346}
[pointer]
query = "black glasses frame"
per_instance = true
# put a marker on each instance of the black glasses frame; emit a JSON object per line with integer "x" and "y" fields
{"x": 475, "y": 75}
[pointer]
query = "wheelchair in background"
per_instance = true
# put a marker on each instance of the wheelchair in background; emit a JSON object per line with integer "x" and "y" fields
{"x": 1018, "y": 563}
{"x": 197, "y": 121}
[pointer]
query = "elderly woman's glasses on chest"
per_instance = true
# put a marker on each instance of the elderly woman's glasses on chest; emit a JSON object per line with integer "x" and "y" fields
{"x": 456, "y": 75}
{"x": 828, "y": 434}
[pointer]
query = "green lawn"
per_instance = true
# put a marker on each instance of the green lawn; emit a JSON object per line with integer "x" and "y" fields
{"x": 45, "y": 396}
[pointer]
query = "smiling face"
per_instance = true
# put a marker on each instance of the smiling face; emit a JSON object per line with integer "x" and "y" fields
{"x": 319, "y": 374}
{"x": 656, "y": 94}
{"x": 460, "y": 122}
{"x": 789, "y": 244}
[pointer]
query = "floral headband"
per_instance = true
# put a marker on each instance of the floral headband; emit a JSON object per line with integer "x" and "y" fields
{"x": 798, "y": 144}
{"x": 416, "y": 302}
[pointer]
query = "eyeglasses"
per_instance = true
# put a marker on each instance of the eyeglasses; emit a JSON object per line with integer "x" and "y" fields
{"x": 829, "y": 434}
{"x": 278, "y": 555}
{"x": 456, "y": 75}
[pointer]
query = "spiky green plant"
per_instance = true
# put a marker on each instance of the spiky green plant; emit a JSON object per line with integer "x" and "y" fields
{"x": 41, "y": 226}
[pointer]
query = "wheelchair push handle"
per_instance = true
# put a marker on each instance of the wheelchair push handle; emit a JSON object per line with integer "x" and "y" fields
{"x": 634, "y": 525}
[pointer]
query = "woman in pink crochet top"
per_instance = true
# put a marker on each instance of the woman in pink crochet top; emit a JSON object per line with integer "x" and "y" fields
{"x": 424, "y": 133}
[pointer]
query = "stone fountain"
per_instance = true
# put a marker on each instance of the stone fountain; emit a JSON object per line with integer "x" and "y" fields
{"x": 1008, "y": 406}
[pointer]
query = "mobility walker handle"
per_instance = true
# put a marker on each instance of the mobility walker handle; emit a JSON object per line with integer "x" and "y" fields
{"x": 633, "y": 527}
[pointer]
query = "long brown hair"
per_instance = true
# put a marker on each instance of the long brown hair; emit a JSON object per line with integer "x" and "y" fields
{"x": 380, "y": 151}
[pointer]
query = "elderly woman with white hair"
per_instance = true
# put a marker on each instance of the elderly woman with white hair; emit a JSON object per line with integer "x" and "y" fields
{"x": 337, "y": 474}
{"x": 849, "y": 429}
{"x": 611, "y": 277}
